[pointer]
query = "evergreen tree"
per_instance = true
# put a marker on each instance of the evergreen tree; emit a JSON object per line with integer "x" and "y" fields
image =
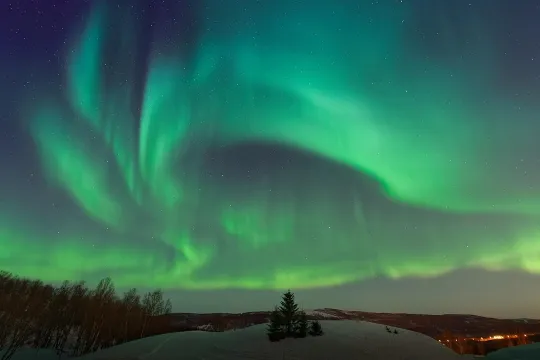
{"x": 275, "y": 328}
{"x": 301, "y": 328}
{"x": 315, "y": 329}
{"x": 289, "y": 311}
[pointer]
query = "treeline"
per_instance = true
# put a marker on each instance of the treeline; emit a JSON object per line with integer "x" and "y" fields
{"x": 72, "y": 318}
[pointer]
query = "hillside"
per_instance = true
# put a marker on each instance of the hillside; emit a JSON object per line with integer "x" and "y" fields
{"x": 524, "y": 352}
{"x": 430, "y": 325}
{"x": 342, "y": 340}
{"x": 346, "y": 337}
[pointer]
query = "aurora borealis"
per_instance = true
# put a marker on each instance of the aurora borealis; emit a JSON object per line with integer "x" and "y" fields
{"x": 265, "y": 145}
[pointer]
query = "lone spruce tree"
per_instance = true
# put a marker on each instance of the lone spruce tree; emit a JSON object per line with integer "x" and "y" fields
{"x": 315, "y": 329}
{"x": 289, "y": 311}
{"x": 301, "y": 329}
{"x": 275, "y": 328}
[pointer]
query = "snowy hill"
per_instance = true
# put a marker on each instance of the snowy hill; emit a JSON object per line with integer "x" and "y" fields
{"x": 523, "y": 352}
{"x": 431, "y": 325}
{"x": 322, "y": 315}
{"x": 346, "y": 340}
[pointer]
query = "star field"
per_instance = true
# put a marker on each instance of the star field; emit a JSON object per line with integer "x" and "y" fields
{"x": 266, "y": 145}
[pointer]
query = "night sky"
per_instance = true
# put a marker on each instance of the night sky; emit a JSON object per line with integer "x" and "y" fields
{"x": 372, "y": 155}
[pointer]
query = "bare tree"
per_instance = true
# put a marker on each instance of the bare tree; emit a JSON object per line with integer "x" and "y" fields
{"x": 152, "y": 305}
{"x": 71, "y": 318}
{"x": 131, "y": 302}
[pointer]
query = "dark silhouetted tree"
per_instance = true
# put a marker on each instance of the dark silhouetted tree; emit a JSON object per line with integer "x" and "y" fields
{"x": 153, "y": 305}
{"x": 289, "y": 311}
{"x": 131, "y": 302}
{"x": 275, "y": 327}
{"x": 287, "y": 321}
{"x": 44, "y": 316}
{"x": 301, "y": 328}
{"x": 315, "y": 329}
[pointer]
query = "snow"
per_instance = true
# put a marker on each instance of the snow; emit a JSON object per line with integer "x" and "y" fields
{"x": 344, "y": 340}
{"x": 522, "y": 352}
{"x": 206, "y": 327}
{"x": 34, "y": 354}
{"x": 321, "y": 314}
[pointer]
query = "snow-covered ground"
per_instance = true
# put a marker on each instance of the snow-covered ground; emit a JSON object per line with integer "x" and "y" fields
{"x": 523, "y": 352}
{"x": 321, "y": 314}
{"x": 344, "y": 340}
{"x": 33, "y": 354}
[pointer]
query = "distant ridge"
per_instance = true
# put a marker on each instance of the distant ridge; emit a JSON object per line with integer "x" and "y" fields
{"x": 431, "y": 325}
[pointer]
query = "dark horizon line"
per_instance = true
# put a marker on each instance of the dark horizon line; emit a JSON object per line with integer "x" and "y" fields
{"x": 348, "y": 310}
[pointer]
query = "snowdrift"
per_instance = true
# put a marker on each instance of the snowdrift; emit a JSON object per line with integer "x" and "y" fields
{"x": 343, "y": 340}
{"x": 522, "y": 352}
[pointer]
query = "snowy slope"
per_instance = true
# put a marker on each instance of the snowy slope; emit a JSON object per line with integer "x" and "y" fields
{"x": 322, "y": 314}
{"x": 33, "y": 354}
{"x": 522, "y": 352}
{"x": 345, "y": 340}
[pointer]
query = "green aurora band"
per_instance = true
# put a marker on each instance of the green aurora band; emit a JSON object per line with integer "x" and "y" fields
{"x": 385, "y": 167}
